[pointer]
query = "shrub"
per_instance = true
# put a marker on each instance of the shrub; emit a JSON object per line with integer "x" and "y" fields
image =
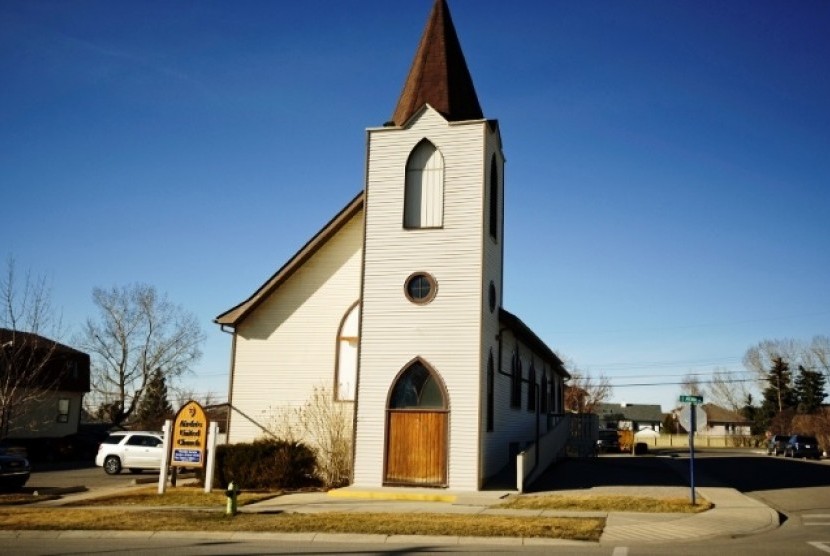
{"x": 266, "y": 464}
{"x": 326, "y": 426}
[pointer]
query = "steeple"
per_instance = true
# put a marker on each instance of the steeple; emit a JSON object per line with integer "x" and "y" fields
{"x": 439, "y": 74}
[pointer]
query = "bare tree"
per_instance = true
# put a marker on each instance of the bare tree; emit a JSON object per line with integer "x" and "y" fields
{"x": 181, "y": 395}
{"x": 817, "y": 357}
{"x": 136, "y": 333}
{"x": 692, "y": 385}
{"x": 760, "y": 357}
{"x": 26, "y": 353}
{"x": 584, "y": 393}
{"x": 727, "y": 390}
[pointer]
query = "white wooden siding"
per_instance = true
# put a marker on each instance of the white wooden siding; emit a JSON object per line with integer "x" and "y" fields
{"x": 493, "y": 271}
{"x": 511, "y": 424}
{"x": 446, "y": 332}
{"x": 287, "y": 346}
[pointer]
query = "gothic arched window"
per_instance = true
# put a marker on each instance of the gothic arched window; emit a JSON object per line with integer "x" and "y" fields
{"x": 424, "y": 188}
{"x": 347, "y": 340}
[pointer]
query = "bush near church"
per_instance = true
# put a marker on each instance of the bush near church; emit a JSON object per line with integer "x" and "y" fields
{"x": 266, "y": 464}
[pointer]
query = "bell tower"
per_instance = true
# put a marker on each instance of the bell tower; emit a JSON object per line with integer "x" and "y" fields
{"x": 432, "y": 276}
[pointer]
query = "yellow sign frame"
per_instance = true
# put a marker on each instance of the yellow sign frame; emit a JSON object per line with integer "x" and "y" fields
{"x": 190, "y": 429}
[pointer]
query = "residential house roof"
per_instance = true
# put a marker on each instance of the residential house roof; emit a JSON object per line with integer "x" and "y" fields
{"x": 716, "y": 415}
{"x": 640, "y": 413}
{"x": 61, "y": 367}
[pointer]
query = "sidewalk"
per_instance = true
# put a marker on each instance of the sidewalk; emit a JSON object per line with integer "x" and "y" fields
{"x": 734, "y": 514}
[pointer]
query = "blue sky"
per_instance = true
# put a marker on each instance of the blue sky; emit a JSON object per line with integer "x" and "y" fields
{"x": 667, "y": 178}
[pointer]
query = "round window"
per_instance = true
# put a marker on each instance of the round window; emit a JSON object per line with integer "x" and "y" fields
{"x": 420, "y": 288}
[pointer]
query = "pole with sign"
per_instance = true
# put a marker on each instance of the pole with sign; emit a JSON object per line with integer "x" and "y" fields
{"x": 690, "y": 419}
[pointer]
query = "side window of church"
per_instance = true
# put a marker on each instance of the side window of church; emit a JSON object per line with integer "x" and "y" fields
{"x": 491, "y": 387}
{"x": 424, "y": 188}
{"x": 531, "y": 389}
{"x": 347, "y": 355}
{"x": 494, "y": 199}
{"x": 516, "y": 381}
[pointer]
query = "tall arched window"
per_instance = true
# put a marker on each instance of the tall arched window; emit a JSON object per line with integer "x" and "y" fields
{"x": 544, "y": 396}
{"x": 424, "y": 189}
{"x": 347, "y": 340}
{"x": 491, "y": 387}
{"x": 494, "y": 199}
{"x": 516, "y": 380}
{"x": 531, "y": 389}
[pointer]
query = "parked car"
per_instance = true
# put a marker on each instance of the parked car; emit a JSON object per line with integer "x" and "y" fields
{"x": 133, "y": 450}
{"x": 802, "y": 446}
{"x": 14, "y": 469}
{"x": 608, "y": 441}
{"x": 776, "y": 444}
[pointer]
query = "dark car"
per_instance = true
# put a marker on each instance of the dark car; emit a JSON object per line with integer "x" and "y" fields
{"x": 777, "y": 443}
{"x": 802, "y": 446}
{"x": 14, "y": 470}
{"x": 608, "y": 441}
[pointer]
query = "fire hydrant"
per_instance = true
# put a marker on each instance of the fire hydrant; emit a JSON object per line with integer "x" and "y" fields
{"x": 231, "y": 493}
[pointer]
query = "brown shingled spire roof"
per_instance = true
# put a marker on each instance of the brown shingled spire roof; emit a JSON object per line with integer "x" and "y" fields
{"x": 439, "y": 74}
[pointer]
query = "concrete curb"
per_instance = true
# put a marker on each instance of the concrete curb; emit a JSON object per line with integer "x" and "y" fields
{"x": 327, "y": 538}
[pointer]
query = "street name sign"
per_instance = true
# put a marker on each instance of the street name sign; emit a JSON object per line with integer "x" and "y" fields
{"x": 691, "y": 399}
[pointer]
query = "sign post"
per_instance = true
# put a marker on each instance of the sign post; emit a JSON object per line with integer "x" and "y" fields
{"x": 693, "y": 401}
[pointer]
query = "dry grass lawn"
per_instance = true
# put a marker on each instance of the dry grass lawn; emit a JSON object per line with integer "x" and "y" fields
{"x": 587, "y": 529}
{"x": 164, "y": 514}
{"x": 178, "y": 496}
{"x": 606, "y": 503}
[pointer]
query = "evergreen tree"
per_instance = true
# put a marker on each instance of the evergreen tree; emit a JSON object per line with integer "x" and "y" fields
{"x": 154, "y": 407}
{"x": 778, "y": 395}
{"x": 757, "y": 423}
{"x": 809, "y": 390}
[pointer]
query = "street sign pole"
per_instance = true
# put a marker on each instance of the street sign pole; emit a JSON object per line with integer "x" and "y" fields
{"x": 689, "y": 419}
{"x": 692, "y": 451}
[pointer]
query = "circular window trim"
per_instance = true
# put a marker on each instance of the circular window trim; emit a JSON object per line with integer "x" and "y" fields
{"x": 433, "y": 288}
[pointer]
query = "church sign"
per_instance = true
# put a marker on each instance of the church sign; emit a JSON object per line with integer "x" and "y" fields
{"x": 189, "y": 436}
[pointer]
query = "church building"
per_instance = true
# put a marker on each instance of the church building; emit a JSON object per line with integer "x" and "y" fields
{"x": 394, "y": 308}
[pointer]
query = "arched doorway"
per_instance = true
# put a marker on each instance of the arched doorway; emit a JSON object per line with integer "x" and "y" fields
{"x": 417, "y": 419}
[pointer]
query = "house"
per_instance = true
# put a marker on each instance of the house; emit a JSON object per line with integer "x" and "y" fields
{"x": 627, "y": 416}
{"x": 43, "y": 386}
{"x": 723, "y": 422}
{"x": 394, "y": 308}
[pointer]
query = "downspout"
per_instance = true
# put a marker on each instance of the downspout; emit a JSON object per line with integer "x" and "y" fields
{"x": 232, "y": 332}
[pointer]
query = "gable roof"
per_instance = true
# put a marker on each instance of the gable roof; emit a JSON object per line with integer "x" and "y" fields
{"x": 439, "y": 75}
{"x": 641, "y": 413}
{"x": 716, "y": 414}
{"x": 530, "y": 339}
{"x": 9, "y": 338}
{"x": 44, "y": 361}
{"x": 232, "y": 316}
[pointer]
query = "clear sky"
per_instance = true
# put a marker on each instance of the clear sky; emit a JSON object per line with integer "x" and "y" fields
{"x": 667, "y": 178}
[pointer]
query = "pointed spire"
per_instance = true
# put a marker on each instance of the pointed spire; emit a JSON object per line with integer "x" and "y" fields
{"x": 439, "y": 74}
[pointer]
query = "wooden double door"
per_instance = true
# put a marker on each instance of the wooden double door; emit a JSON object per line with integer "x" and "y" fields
{"x": 416, "y": 449}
